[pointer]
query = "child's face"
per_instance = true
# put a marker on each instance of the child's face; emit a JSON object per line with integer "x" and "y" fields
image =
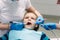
{"x": 29, "y": 20}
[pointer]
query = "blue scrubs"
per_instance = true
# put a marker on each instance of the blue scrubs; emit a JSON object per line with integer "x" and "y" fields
{"x": 26, "y": 34}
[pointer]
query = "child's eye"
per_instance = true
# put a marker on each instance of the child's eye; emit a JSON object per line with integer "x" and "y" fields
{"x": 26, "y": 17}
{"x": 33, "y": 18}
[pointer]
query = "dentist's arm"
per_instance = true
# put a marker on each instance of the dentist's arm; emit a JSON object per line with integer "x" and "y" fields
{"x": 4, "y": 26}
{"x": 51, "y": 26}
{"x": 12, "y": 26}
{"x": 32, "y": 9}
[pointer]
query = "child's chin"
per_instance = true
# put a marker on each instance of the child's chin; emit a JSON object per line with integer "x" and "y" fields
{"x": 29, "y": 25}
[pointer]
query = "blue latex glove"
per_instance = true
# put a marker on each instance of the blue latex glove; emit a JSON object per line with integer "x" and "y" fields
{"x": 40, "y": 20}
{"x": 49, "y": 26}
{"x": 16, "y": 26}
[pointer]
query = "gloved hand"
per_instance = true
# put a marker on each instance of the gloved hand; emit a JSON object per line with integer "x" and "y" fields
{"x": 40, "y": 20}
{"x": 16, "y": 26}
{"x": 49, "y": 26}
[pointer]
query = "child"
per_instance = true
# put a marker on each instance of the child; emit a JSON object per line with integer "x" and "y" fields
{"x": 29, "y": 30}
{"x": 7, "y": 26}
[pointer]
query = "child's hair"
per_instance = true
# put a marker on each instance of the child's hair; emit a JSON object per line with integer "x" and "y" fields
{"x": 29, "y": 12}
{"x": 37, "y": 26}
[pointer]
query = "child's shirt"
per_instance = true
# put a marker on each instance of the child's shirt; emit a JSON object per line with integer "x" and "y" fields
{"x": 27, "y": 34}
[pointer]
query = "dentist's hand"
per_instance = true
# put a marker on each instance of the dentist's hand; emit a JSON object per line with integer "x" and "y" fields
{"x": 49, "y": 26}
{"x": 16, "y": 26}
{"x": 40, "y": 20}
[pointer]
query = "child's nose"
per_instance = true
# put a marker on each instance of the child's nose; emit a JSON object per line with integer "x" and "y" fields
{"x": 29, "y": 19}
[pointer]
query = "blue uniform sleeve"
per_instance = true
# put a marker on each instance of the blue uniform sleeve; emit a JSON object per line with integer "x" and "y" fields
{"x": 44, "y": 37}
{"x": 49, "y": 26}
{"x": 16, "y": 26}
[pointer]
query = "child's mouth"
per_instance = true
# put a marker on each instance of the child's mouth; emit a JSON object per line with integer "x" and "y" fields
{"x": 29, "y": 23}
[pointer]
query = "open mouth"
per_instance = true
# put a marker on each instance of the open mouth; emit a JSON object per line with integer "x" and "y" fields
{"x": 29, "y": 23}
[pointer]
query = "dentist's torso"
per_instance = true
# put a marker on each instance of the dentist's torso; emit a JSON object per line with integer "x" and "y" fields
{"x": 11, "y": 11}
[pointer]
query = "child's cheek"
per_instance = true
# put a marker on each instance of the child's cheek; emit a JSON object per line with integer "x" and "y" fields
{"x": 33, "y": 21}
